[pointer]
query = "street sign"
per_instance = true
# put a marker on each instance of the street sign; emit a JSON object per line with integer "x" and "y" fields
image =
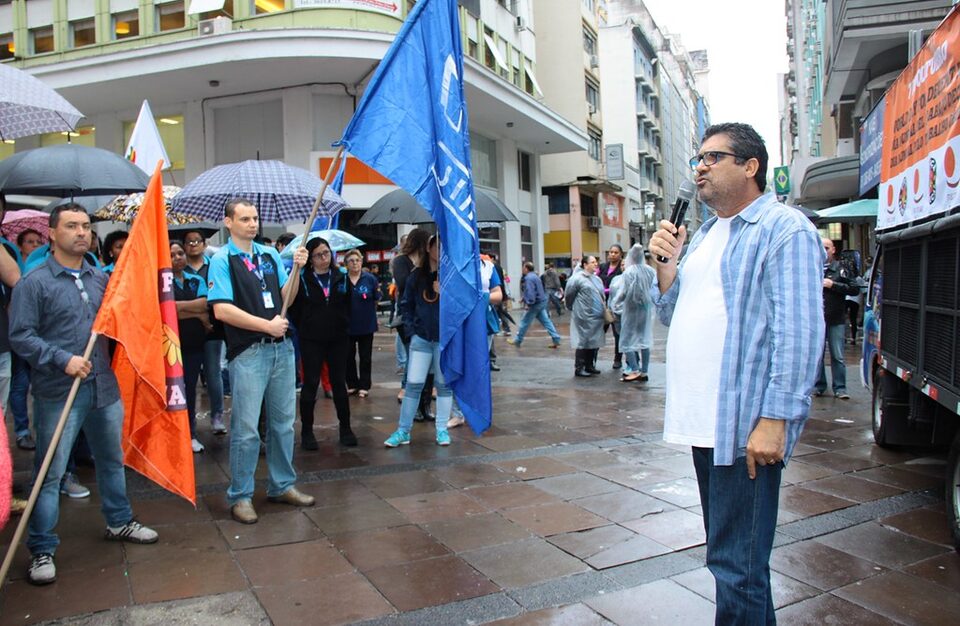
{"x": 614, "y": 155}
{"x": 781, "y": 180}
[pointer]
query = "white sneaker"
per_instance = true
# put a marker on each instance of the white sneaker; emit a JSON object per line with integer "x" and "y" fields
{"x": 70, "y": 486}
{"x": 217, "y": 425}
{"x": 196, "y": 445}
{"x": 42, "y": 570}
{"x": 133, "y": 531}
{"x": 456, "y": 420}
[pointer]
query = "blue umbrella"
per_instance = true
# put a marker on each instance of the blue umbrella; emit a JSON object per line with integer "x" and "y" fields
{"x": 282, "y": 193}
{"x": 339, "y": 241}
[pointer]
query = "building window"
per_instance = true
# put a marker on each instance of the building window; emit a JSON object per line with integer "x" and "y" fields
{"x": 41, "y": 40}
{"x": 593, "y": 145}
{"x": 7, "y": 49}
{"x": 126, "y": 24}
{"x": 489, "y": 50}
{"x": 83, "y": 33}
{"x": 83, "y": 136}
{"x": 483, "y": 158}
{"x": 589, "y": 5}
{"x": 473, "y": 38}
{"x": 526, "y": 243}
{"x": 170, "y": 16}
{"x": 589, "y": 42}
{"x": 558, "y": 200}
{"x": 593, "y": 97}
{"x": 516, "y": 59}
{"x": 225, "y": 11}
{"x": 267, "y": 6}
{"x": 523, "y": 170}
{"x": 588, "y": 205}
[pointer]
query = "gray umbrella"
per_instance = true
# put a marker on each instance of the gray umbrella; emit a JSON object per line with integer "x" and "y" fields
{"x": 399, "y": 207}
{"x": 29, "y": 107}
{"x": 70, "y": 170}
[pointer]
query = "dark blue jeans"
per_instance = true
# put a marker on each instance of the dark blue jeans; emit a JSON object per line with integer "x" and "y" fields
{"x": 739, "y": 516}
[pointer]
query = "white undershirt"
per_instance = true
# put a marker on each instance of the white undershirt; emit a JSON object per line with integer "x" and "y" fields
{"x": 695, "y": 344}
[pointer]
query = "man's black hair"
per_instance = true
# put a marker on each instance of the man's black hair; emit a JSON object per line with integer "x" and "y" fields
{"x": 747, "y": 144}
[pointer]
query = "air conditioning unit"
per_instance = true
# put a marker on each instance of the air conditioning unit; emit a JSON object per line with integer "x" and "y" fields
{"x": 593, "y": 222}
{"x": 215, "y": 26}
{"x": 594, "y": 61}
{"x": 521, "y": 23}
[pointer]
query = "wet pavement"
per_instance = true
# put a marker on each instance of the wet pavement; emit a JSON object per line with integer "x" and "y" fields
{"x": 570, "y": 510}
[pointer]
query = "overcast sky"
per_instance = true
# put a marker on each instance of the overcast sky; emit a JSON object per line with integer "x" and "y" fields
{"x": 746, "y": 44}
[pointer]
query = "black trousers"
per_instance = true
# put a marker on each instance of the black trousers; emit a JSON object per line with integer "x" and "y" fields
{"x": 192, "y": 361}
{"x": 314, "y": 354}
{"x": 362, "y": 345}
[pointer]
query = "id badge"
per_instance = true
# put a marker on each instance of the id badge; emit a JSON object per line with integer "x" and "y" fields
{"x": 267, "y": 299}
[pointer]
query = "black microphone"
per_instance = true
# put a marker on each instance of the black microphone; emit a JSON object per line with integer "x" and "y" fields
{"x": 684, "y": 196}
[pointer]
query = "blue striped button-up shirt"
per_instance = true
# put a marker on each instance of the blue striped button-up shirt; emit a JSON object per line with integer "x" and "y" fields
{"x": 772, "y": 275}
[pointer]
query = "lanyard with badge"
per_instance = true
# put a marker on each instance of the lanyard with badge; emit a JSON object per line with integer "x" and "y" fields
{"x": 257, "y": 271}
{"x": 325, "y": 287}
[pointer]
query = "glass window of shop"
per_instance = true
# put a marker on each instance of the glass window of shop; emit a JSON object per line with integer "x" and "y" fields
{"x": 171, "y": 134}
{"x": 83, "y": 33}
{"x": 41, "y": 40}
{"x": 483, "y": 158}
{"x": 126, "y": 24}
{"x": 259, "y": 7}
{"x": 170, "y": 16}
{"x": 7, "y": 49}
{"x": 83, "y": 136}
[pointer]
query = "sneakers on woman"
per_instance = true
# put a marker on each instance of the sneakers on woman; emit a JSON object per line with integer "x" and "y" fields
{"x": 42, "y": 569}
{"x": 443, "y": 438}
{"x": 399, "y": 438}
{"x": 217, "y": 425}
{"x": 196, "y": 445}
{"x": 70, "y": 486}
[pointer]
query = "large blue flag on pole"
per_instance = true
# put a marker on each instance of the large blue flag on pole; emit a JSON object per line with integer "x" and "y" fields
{"x": 327, "y": 222}
{"x": 411, "y": 126}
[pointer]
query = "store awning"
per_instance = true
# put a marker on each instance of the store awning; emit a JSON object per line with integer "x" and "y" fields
{"x": 204, "y": 6}
{"x": 856, "y": 212}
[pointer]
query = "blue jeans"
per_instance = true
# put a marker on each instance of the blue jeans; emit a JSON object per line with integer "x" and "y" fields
{"x": 641, "y": 361}
{"x": 423, "y": 358}
{"x": 212, "y": 374}
{"x": 19, "y": 387}
{"x": 103, "y": 428}
{"x": 838, "y": 369}
{"x": 740, "y": 517}
{"x": 536, "y": 311}
{"x": 262, "y": 373}
{"x": 401, "y": 351}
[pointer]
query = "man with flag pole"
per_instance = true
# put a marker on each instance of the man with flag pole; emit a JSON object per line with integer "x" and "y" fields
{"x": 415, "y": 133}
{"x": 52, "y": 316}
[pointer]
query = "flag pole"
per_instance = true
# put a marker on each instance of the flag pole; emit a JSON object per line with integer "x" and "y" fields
{"x": 313, "y": 216}
{"x": 42, "y": 473}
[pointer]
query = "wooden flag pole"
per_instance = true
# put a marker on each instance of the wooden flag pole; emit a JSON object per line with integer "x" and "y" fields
{"x": 42, "y": 474}
{"x": 313, "y": 215}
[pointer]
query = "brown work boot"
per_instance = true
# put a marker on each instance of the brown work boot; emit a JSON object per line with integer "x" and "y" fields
{"x": 244, "y": 512}
{"x": 294, "y": 497}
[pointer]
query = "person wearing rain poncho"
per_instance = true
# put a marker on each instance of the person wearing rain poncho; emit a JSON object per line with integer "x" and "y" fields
{"x": 584, "y": 297}
{"x": 630, "y": 302}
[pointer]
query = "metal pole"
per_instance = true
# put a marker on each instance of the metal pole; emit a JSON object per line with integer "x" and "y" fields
{"x": 47, "y": 460}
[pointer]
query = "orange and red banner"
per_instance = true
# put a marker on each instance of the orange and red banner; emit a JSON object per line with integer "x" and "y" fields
{"x": 919, "y": 174}
{"x": 140, "y": 313}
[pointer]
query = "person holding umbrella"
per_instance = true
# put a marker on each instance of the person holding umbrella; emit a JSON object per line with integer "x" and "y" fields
{"x": 247, "y": 284}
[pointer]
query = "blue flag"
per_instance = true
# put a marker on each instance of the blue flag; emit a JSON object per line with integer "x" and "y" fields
{"x": 327, "y": 222}
{"x": 411, "y": 126}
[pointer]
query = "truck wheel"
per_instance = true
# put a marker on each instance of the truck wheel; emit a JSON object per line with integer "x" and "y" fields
{"x": 879, "y": 427}
{"x": 953, "y": 491}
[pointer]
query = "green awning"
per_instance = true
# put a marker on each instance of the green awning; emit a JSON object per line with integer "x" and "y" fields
{"x": 856, "y": 212}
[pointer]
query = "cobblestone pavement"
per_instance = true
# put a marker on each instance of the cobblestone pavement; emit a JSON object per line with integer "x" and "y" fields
{"x": 571, "y": 510}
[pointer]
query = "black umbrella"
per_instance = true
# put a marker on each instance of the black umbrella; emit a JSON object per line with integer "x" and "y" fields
{"x": 207, "y": 229}
{"x": 70, "y": 170}
{"x": 91, "y": 203}
{"x": 399, "y": 207}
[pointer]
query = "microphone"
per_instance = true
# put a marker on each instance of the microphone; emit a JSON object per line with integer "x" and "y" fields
{"x": 684, "y": 196}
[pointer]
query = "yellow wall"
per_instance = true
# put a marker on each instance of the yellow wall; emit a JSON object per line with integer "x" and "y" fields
{"x": 557, "y": 243}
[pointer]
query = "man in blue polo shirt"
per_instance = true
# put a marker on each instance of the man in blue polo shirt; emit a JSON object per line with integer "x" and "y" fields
{"x": 247, "y": 283}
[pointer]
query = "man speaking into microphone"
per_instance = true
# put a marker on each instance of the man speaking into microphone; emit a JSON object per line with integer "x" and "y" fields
{"x": 744, "y": 307}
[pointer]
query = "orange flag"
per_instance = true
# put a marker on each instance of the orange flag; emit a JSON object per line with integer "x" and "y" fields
{"x": 139, "y": 312}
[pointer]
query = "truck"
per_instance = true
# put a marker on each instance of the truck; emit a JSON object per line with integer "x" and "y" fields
{"x": 911, "y": 339}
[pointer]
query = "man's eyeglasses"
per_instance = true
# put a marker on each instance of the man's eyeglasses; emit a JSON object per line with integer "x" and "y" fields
{"x": 195, "y": 242}
{"x": 710, "y": 158}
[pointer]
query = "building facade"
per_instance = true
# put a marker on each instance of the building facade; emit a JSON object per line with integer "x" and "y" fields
{"x": 279, "y": 79}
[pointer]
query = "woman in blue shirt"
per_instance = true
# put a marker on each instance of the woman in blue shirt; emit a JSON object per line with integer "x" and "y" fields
{"x": 420, "y": 310}
{"x": 365, "y": 291}
{"x": 190, "y": 293}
